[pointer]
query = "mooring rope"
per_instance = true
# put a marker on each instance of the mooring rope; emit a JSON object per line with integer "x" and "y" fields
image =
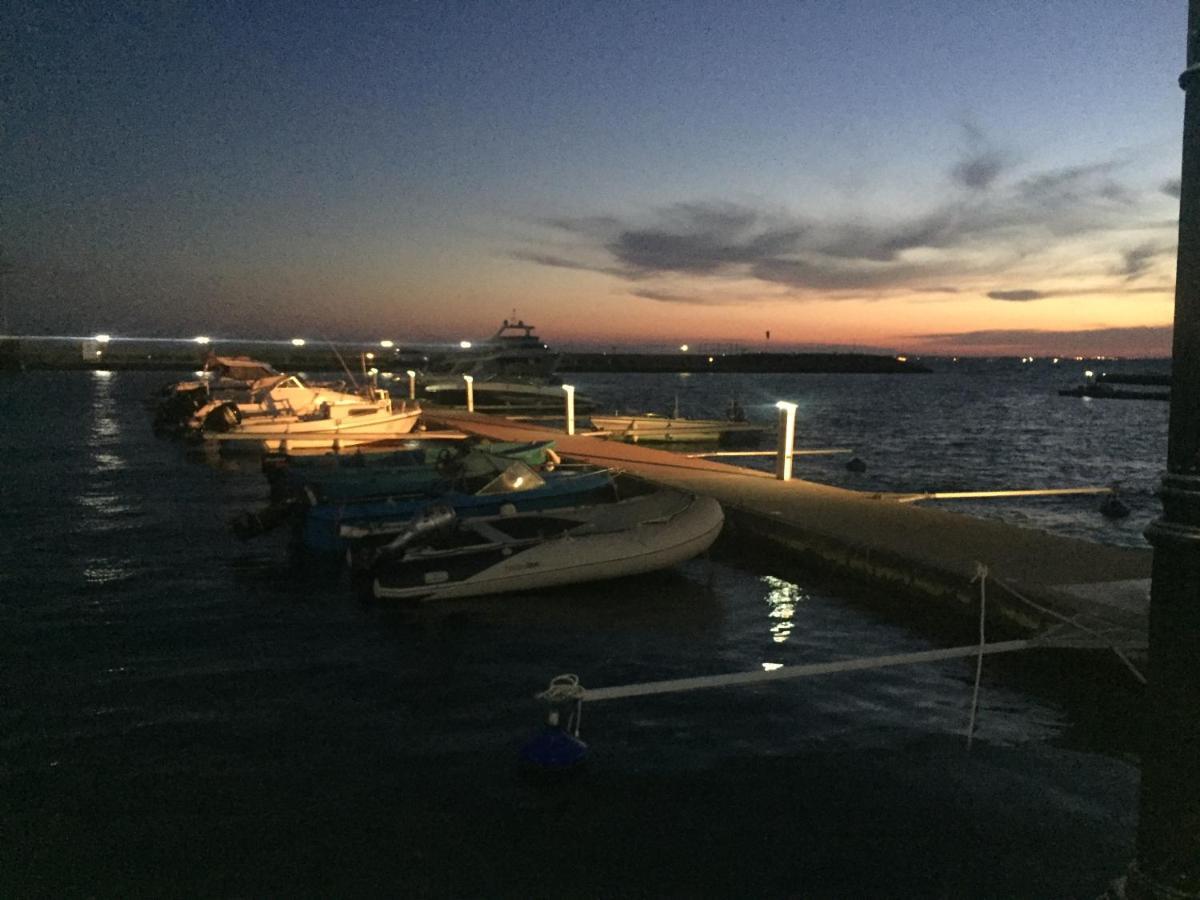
{"x": 981, "y": 575}
{"x": 1066, "y": 620}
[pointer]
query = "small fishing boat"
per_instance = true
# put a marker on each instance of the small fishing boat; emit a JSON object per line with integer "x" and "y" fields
{"x": 224, "y": 378}
{"x": 406, "y": 471}
{"x": 444, "y": 557}
{"x": 504, "y": 396}
{"x": 340, "y": 420}
{"x": 1100, "y": 387}
{"x": 330, "y": 527}
{"x": 654, "y": 428}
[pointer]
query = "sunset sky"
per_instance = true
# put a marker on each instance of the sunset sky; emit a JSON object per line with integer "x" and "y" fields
{"x": 937, "y": 177}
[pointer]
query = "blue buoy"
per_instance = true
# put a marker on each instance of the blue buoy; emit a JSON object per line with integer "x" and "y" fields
{"x": 553, "y": 748}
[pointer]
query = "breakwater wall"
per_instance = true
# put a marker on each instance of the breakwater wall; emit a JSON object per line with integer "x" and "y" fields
{"x": 849, "y": 363}
{"x": 27, "y": 353}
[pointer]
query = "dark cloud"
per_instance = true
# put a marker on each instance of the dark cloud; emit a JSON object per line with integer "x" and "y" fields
{"x": 941, "y": 289}
{"x": 1172, "y": 188}
{"x": 992, "y": 222}
{"x": 562, "y": 262}
{"x": 702, "y": 239}
{"x": 982, "y": 162}
{"x": 687, "y": 299}
{"x": 978, "y": 171}
{"x": 1136, "y": 260}
{"x": 547, "y": 259}
{"x": 1017, "y": 296}
{"x": 1153, "y": 340}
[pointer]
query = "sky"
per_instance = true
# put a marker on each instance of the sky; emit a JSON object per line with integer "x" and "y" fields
{"x": 947, "y": 177}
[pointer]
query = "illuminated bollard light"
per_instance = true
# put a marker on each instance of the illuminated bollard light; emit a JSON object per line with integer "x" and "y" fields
{"x": 787, "y": 428}
{"x": 570, "y": 389}
{"x": 470, "y": 380}
{"x": 412, "y": 384}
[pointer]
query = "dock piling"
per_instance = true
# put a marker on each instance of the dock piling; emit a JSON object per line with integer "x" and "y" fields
{"x": 412, "y": 384}
{"x": 470, "y": 380}
{"x": 787, "y": 438}
{"x": 570, "y": 392}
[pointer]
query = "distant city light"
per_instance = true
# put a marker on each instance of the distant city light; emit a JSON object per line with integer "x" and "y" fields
{"x": 201, "y": 340}
{"x": 103, "y": 338}
{"x": 901, "y": 359}
{"x": 298, "y": 342}
{"x": 370, "y": 356}
{"x": 466, "y": 345}
{"x": 710, "y": 359}
{"x": 683, "y": 348}
{"x": 387, "y": 344}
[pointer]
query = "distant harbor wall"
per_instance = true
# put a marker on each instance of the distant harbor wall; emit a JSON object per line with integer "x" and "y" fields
{"x": 41, "y": 353}
{"x": 857, "y": 363}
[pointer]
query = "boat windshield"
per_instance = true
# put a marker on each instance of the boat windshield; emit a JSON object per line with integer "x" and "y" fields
{"x": 515, "y": 478}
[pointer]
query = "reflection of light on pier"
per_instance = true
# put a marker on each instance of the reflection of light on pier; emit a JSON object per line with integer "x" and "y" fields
{"x": 783, "y": 597}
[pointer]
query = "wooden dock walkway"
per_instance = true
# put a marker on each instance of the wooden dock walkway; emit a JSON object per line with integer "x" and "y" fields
{"x": 916, "y": 551}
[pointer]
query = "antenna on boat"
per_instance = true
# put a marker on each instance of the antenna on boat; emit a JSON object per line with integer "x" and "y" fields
{"x": 344, "y": 366}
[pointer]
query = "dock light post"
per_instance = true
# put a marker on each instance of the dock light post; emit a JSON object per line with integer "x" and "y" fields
{"x": 470, "y": 380}
{"x": 412, "y": 384}
{"x": 1167, "y": 860}
{"x": 787, "y": 439}
{"x": 387, "y": 345}
{"x": 570, "y": 391}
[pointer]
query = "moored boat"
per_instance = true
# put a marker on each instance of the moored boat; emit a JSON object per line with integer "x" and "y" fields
{"x": 340, "y": 420}
{"x": 330, "y": 527}
{"x": 531, "y": 550}
{"x": 653, "y": 428}
{"x": 406, "y": 471}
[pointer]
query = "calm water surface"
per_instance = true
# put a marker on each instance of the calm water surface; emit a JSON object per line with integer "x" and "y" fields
{"x": 188, "y": 714}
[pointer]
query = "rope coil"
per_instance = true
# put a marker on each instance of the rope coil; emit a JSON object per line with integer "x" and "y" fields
{"x": 564, "y": 690}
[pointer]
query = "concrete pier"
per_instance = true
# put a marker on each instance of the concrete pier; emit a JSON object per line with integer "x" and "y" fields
{"x": 918, "y": 552}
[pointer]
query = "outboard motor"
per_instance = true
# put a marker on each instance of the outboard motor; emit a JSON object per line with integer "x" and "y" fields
{"x": 430, "y": 521}
{"x": 219, "y": 415}
{"x": 177, "y": 404}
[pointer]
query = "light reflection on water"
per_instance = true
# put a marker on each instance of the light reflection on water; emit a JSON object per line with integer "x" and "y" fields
{"x": 783, "y": 597}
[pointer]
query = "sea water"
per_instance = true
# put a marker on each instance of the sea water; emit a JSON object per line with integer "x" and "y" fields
{"x": 188, "y": 714}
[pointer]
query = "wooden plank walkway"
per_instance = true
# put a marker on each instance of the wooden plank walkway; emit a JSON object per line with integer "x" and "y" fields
{"x": 922, "y": 552}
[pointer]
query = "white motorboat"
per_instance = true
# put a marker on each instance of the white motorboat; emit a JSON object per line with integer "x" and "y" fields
{"x": 526, "y": 551}
{"x": 339, "y": 420}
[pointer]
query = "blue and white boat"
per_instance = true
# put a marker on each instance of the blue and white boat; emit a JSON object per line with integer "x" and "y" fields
{"x": 330, "y": 527}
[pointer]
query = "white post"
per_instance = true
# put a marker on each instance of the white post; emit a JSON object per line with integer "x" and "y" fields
{"x": 570, "y": 389}
{"x": 470, "y": 392}
{"x": 412, "y": 384}
{"x": 787, "y": 437}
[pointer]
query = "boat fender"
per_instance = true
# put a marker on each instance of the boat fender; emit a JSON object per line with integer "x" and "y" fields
{"x": 856, "y": 465}
{"x": 552, "y": 460}
{"x": 507, "y": 509}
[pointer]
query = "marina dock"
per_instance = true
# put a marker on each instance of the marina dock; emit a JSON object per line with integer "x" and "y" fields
{"x": 1036, "y": 579}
